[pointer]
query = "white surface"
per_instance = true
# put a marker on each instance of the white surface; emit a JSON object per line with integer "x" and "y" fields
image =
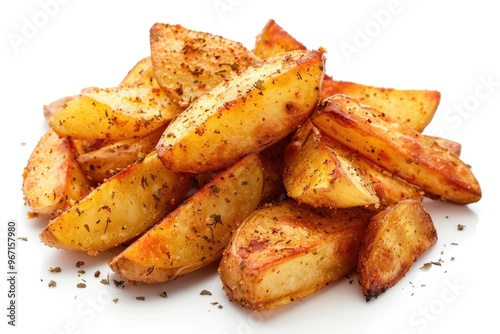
{"x": 451, "y": 46}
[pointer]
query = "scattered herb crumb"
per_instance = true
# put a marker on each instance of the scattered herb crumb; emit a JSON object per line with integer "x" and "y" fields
{"x": 219, "y": 307}
{"x": 163, "y": 294}
{"x": 118, "y": 283}
{"x": 97, "y": 274}
{"x": 140, "y": 298}
{"x": 55, "y": 269}
{"x": 81, "y": 285}
{"x": 426, "y": 265}
{"x": 105, "y": 281}
{"x": 81, "y": 272}
{"x": 460, "y": 227}
{"x": 79, "y": 264}
{"x": 205, "y": 293}
{"x": 115, "y": 300}
{"x": 52, "y": 284}
{"x": 454, "y": 243}
{"x": 22, "y": 238}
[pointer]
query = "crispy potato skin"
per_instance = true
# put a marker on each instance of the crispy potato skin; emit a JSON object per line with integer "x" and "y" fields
{"x": 189, "y": 63}
{"x": 287, "y": 251}
{"x": 196, "y": 233}
{"x": 245, "y": 114}
{"x": 414, "y": 108}
{"x": 52, "y": 179}
{"x": 123, "y": 207}
{"x": 399, "y": 149}
{"x": 394, "y": 239}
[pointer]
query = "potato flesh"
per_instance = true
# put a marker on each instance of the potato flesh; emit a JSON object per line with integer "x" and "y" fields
{"x": 126, "y": 205}
{"x": 394, "y": 239}
{"x": 114, "y": 113}
{"x": 195, "y": 234}
{"x": 245, "y": 114}
{"x": 287, "y": 251}
{"x": 399, "y": 149}
{"x": 52, "y": 179}
{"x": 324, "y": 176}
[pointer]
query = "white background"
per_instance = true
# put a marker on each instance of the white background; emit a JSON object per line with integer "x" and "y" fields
{"x": 50, "y": 49}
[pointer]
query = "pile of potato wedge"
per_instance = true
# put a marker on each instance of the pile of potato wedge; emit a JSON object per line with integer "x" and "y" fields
{"x": 208, "y": 151}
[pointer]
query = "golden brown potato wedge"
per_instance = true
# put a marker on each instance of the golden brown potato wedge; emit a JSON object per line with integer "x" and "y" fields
{"x": 141, "y": 74}
{"x": 273, "y": 39}
{"x": 245, "y": 114}
{"x": 394, "y": 239}
{"x": 52, "y": 179}
{"x": 106, "y": 161}
{"x": 398, "y": 148}
{"x": 114, "y": 113}
{"x": 189, "y": 63}
{"x": 123, "y": 207}
{"x": 287, "y": 251}
{"x": 196, "y": 233}
{"x": 324, "y": 175}
{"x": 452, "y": 146}
{"x": 414, "y": 108}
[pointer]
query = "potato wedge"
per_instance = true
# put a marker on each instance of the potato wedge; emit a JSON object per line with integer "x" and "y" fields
{"x": 452, "y": 146}
{"x": 273, "y": 39}
{"x": 104, "y": 162}
{"x": 141, "y": 74}
{"x": 394, "y": 239}
{"x": 245, "y": 114}
{"x": 120, "y": 209}
{"x": 323, "y": 175}
{"x": 196, "y": 233}
{"x": 398, "y": 148}
{"x": 287, "y": 251}
{"x": 414, "y": 108}
{"x": 52, "y": 179}
{"x": 189, "y": 63}
{"x": 114, "y": 113}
